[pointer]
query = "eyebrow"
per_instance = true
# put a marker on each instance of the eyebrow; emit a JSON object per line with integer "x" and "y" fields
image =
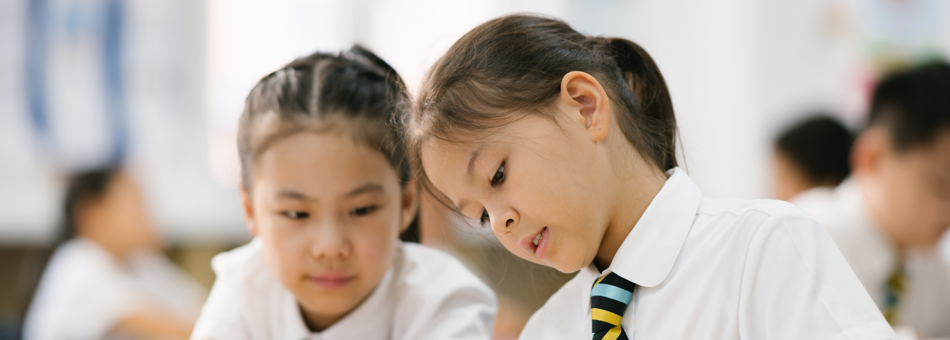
{"x": 365, "y": 188}
{"x": 293, "y": 194}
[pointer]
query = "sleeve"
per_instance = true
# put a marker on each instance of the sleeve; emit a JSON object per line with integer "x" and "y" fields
{"x": 797, "y": 285}
{"x": 466, "y": 314}
{"x": 440, "y": 299}
{"x": 220, "y": 317}
{"x": 103, "y": 305}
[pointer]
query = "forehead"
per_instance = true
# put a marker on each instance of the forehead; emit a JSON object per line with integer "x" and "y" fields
{"x": 446, "y": 164}
{"x": 320, "y": 163}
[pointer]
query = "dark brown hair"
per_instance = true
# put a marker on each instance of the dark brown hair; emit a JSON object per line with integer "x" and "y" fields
{"x": 913, "y": 105}
{"x": 83, "y": 190}
{"x": 512, "y": 66}
{"x": 354, "y": 92}
{"x": 821, "y": 146}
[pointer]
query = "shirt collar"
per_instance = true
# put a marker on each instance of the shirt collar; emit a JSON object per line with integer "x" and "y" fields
{"x": 881, "y": 252}
{"x": 647, "y": 255}
{"x": 378, "y": 309}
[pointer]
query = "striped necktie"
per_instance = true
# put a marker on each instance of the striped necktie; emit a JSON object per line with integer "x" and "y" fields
{"x": 608, "y": 299}
{"x": 893, "y": 292}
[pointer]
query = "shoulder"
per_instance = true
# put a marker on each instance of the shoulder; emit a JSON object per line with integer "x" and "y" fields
{"x": 758, "y": 229}
{"x": 439, "y": 298}
{"x": 83, "y": 292}
{"x": 245, "y": 295}
{"x": 562, "y": 312}
{"x": 240, "y": 260}
{"x": 428, "y": 271}
{"x": 83, "y": 259}
{"x": 755, "y": 213}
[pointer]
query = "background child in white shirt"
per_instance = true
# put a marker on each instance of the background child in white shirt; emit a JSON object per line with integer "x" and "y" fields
{"x": 108, "y": 278}
{"x": 888, "y": 217}
{"x": 326, "y": 191}
{"x": 564, "y": 145}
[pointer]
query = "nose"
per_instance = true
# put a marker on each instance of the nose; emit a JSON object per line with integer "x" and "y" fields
{"x": 330, "y": 240}
{"x": 505, "y": 221}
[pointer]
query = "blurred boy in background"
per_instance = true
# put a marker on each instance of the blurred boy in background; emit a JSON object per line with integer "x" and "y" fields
{"x": 889, "y": 216}
{"x": 812, "y": 153}
{"x": 107, "y": 280}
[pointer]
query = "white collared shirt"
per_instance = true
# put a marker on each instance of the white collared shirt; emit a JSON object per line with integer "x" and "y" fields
{"x": 85, "y": 292}
{"x": 425, "y": 294}
{"x": 925, "y": 307}
{"x": 722, "y": 269}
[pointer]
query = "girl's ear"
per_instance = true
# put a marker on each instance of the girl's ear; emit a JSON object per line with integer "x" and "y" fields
{"x": 248, "y": 208}
{"x": 410, "y": 204}
{"x": 586, "y": 103}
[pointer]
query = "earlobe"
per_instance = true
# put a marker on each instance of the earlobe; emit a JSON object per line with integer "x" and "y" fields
{"x": 586, "y": 101}
{"x": 248, "y": 208}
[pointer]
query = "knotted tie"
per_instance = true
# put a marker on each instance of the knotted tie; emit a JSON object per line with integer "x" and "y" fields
{"x": 608, "y": 299}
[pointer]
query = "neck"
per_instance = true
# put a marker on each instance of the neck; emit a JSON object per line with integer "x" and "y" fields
{"x": 319, "y": 322}
{"x": 876, "y": 208}
{"x": 113, "y": 249}
{"x": 635, "y": 192}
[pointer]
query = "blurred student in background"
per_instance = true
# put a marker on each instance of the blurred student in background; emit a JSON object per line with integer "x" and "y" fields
{"x": 107, "y": 280}
{"x": 809, "y": 154}
{"x": 888, "y": 217}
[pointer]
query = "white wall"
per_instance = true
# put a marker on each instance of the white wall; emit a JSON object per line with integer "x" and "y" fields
{"x": 738, "y": 70}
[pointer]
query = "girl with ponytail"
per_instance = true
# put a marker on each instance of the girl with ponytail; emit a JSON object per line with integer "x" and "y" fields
{"x": 563, "y": 145}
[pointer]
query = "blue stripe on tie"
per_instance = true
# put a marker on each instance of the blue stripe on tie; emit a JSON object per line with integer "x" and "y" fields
{"x": 621, "y": 295}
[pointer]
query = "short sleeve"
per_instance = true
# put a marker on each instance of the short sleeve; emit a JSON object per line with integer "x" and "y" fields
{"x": 466, "y": 314}
{"x": 83, "y": 295}
{"x": 220, "y": 317}
{"x": 440, "y": 299}
{"x": 104, "y": 304}
{"x": 797, "y": 285}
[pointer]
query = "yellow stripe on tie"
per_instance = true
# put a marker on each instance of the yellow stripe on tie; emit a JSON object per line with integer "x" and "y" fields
{"x": 600, "y": 279}
{"x": 605, "y": 316}
{"x": 612, "y": 334}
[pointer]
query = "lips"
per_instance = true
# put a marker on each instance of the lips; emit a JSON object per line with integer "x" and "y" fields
{"x": 537, "y": 243}
{"x": 331, "y": 280}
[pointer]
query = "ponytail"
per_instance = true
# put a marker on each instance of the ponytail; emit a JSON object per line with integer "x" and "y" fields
{"x": 643, "y": 78}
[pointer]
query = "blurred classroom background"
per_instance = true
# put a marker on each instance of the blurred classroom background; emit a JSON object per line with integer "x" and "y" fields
{"x": 158, "y": 85}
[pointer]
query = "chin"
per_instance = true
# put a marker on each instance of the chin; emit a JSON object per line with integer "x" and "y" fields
{"x": 329, "y": 304}
{"x": 566, "y": 266}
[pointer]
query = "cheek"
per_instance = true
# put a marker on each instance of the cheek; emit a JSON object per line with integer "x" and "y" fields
{"x": 912, "y": 205}
{"x": 553, "y": 196}
{"x": 285, "y": 249}
{"x": 374, "y": 242}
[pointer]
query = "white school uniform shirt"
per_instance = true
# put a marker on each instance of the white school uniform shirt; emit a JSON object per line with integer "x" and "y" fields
{"x": 925, "y": 306}
{"x": 85, "y": 292}
{"x": 722, "y": 269}
{"x": 425, "y": 294}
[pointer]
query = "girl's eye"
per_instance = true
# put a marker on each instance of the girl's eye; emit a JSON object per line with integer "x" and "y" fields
{"x": 363, "y": 211}
{"x": 295, "y": 215}
{"x": 499, "y": 175}
{"x": 484, "y": 220}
